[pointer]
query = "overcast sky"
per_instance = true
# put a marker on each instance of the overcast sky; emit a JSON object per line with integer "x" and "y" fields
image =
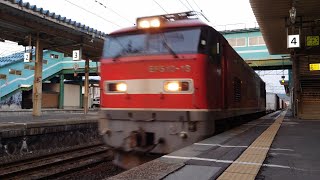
{"x": 110, "y": 15}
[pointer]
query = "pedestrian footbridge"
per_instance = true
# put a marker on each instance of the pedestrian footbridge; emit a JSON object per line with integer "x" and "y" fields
{"x": 16, "y": 75}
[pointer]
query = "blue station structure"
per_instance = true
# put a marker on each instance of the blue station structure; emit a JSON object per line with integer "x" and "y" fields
{"x": 57, "y": 69}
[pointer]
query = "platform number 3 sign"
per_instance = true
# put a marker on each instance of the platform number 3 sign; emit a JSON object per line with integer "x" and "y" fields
{"x": 293, "y": 41}
{"x": 76, "y": 55}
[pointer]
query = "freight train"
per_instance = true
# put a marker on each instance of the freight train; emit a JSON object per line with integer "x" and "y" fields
{"x": 167, "y": 80}
{"x": 274, "y": 102}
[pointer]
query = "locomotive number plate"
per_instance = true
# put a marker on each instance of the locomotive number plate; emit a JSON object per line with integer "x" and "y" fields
{"x": 183, "y": 68}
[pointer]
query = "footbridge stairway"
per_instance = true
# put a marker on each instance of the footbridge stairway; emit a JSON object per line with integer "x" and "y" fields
{"x": 17, "y": 75}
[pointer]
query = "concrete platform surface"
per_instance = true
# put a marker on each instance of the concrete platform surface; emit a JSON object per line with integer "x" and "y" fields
{"x": 25, "y": 116}
{"x": 298, "y": 156}
{"x": 206, "y": 159}
{"x": 294, "y": 154}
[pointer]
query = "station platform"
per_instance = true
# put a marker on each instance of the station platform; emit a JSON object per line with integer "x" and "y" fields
{"x": 23, "y": 135}
{"x": 17, "y": 123}
{"x": 276, "y": 146}
{"x": 25, "y": 115}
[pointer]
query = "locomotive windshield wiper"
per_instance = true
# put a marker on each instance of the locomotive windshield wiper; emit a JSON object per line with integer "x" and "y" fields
{"x": 121, "y": 53}
{"x": 165, "y": 44}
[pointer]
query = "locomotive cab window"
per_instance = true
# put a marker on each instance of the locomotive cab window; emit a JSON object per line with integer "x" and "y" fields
{"x": 178, "y": 41}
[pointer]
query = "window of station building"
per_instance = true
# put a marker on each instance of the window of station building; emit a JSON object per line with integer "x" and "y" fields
{"x": 237, "y": 42}
{"x": 3, "y": 76}
{"x": 256, "y": 41}
{"x": 54, "y": 56}
{"x": 15, "y": 72}
{"x": 30, "y": 67}
{"x": 232, "y": 42}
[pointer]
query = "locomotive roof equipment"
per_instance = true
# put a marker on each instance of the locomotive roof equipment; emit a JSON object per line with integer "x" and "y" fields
{"x": 159, "y": 20}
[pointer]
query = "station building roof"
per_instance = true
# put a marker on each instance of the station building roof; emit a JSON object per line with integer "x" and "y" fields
{"x": 274, "y": 22}
{"x": 19, "y": 20}
{"x": 11, "y": 59}
{"x": 53, "y": 16}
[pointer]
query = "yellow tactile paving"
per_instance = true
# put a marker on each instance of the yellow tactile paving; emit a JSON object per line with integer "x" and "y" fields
{"x": 236, "y": 176}
{"x": 259, "y": 144}
{"x": 256, "y": 151}
{"x": 252, "y": 158}
{"x": 248, "y": 164}
{"x": 266, "y": 138}
{"x": 243, "y": 169}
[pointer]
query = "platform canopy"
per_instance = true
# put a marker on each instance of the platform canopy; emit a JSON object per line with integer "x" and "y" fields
{"x": 274, "y": 21}
{"x": 19, "y": 21}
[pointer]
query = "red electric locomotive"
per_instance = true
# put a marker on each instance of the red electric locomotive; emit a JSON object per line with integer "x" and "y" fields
{"x": 166, "y": 81}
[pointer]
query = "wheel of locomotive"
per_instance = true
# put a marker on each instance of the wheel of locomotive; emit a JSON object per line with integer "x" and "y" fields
{"x": 11, "y": 148}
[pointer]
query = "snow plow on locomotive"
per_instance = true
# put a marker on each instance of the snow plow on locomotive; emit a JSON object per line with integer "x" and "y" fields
{"x": 166, "y": 81}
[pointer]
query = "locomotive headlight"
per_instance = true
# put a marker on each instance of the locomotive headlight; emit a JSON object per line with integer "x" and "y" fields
{"x": 155, "y": 23}
{"x": 117, "y": 87}
{"x": 121, "y": 87}
{"x": 171, "y": 86}
{"x": 176, "y": 86}
{"x": 144, "y": 24}
{"x": 149, "y": 22}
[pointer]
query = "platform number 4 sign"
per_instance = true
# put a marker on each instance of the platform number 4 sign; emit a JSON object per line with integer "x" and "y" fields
{"x": 293, "y": 41}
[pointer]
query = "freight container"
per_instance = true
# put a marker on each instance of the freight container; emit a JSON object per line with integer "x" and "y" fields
{"x": 272, "y": 102}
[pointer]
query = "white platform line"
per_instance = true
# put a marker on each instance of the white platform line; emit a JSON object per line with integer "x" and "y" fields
{"x": 200, "y": 159}
{"x": 232, "y": 146}
{"x": 230, "y": 162}
{"x": 220, "y": 145}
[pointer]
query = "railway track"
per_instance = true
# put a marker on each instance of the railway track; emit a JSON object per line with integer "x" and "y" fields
{"x": 56, "y": 165}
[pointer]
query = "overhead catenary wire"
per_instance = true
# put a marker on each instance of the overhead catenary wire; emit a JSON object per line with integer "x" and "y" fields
{"x": 93, "y": 13}
{"x": 192, "y": 8}
{"x": 184, "y": 5}
{"x": 197, "y": 5}
{"x": 160, "y": 6}
{"x": 190, "y": 5}
{"x": 106, "y": 7}
{"x": 201, "y": 12}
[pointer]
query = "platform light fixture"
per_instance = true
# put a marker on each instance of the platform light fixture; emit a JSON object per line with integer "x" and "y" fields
{"x": 293, "y": 14}
{"x": 312, "y": 40}
{"x": 314, "y": 67}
